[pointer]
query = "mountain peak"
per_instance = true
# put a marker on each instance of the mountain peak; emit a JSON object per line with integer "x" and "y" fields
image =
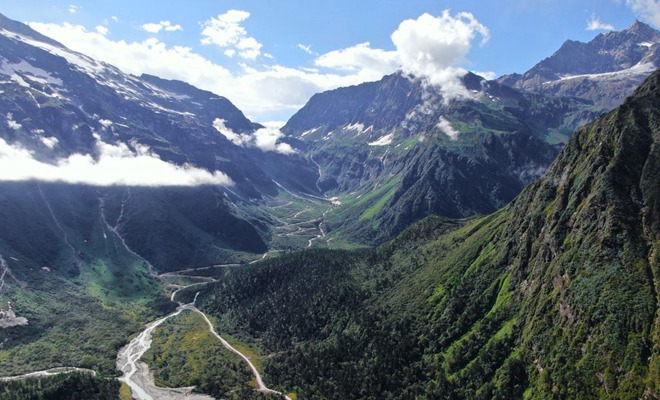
{"x": 639, "y": 26}
{"x": 605, "y": 70}
{"x": 20, "y": 28}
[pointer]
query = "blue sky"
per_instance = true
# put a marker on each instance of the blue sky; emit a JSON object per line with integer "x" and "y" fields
{"x": 269, "y": 57}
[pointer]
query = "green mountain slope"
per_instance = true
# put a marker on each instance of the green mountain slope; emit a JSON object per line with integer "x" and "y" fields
{"x": 554, "y": 296}
{"x": 456, "y": 158}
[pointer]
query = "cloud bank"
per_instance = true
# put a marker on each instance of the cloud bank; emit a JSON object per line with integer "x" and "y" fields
{"x": 116, "y": 165}
{"x": 265, "y": 139}
{"x": 429, "y": 47}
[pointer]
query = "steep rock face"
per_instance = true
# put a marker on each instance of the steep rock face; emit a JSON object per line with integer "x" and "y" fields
{"x": 554, "y": 296}
{"x": 606, "y": 70}
{"x": 375, "y": 106}
{"x": 396, "y": 151}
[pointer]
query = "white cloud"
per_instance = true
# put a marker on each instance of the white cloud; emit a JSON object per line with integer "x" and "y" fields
{"x": 361, "y": 58}
{"x": 236, "y": 138}
{"x": 431, "y": 47}
{"x": 169, "y": 27}
{"x": 249, "y": 48}
{"x": 225, "y": 31}
{"x": 307, "y": 48}
{"x": 488, "y": 75}
{"x": 103, "y": 30}
{"x": 115, "y": 18}
{"x": 595, "y": 24}
{"x": 73, "y": 9}
{"x": 269, "y": 91}
{"x": 152, "y": 27}
{"x": 265, "y": 139}
{"x": 275, "y": 91}
{"x": 447, "y": 129}
{"x": 155, "y": 27}
{"x": 115, "y": 165}
{"x": 149, "y": 56}
{"x": 648, "y": 10}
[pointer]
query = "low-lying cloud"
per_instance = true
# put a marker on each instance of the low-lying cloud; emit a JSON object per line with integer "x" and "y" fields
{"x": 116, "y": 165}
{"x": 446, "y": 128}
{"x": 265, "y": 139}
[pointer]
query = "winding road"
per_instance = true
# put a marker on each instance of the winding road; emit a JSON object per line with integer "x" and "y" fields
{"x": 47, "y": 372}
{"x": 260, "y": 383}
{"x": 136, "y": 373}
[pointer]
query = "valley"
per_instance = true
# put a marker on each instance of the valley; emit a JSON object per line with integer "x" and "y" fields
{"x": 390, "y": 240}
{"x": 136, "y": 373}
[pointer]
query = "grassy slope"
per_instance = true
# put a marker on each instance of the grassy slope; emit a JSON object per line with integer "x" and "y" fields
{"x": 82, "y": 305}
{"x": 184, "y": 353}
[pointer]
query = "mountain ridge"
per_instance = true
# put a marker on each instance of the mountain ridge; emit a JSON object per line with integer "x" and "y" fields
{"x": 605, "y": 70}
{"x": 375, "y": 144}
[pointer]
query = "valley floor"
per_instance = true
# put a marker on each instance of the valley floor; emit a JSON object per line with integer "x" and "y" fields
{"x": 136, "y": 372}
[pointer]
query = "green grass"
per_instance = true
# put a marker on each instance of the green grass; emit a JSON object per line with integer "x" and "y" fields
{"x": 485, "y": 257}
{"x": 185, "y": 353}
{"x": 371, "y": 212}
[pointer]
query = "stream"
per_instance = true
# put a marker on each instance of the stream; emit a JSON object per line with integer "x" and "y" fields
{"x": 136, "y": 373}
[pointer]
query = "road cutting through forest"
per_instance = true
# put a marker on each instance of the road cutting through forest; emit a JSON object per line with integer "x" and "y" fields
{"x": 136, "y": 373}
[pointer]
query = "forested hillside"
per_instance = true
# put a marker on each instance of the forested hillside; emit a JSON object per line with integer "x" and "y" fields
{"x": 554, "y": 296}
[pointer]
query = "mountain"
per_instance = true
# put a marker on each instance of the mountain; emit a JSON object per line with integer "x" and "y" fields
{"x": 80, "y": 253}
{"x": 605, "y": 71}
{"x": 59, "y": 105}
{"x": 396, "y": 150}
{"x": 553, "y": 296}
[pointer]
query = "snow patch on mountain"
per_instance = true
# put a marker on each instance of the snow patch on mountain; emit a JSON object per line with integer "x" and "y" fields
{"x": 33, "y": 73}
{"x": 82, "y": 62}
{"x": 383, "y": 141}
{"x": 638, "y": 69}
{"x": 307, "y": 132}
